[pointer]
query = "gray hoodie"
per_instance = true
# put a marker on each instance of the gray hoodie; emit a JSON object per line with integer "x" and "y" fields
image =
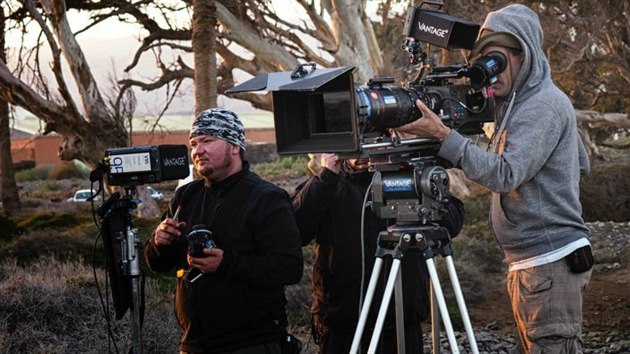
{"x": 535, "y": 180}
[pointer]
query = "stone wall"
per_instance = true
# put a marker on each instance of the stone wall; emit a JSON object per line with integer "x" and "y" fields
{"x": 256, "y": 152}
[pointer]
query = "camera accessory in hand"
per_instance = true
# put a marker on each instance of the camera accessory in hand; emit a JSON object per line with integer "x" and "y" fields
{"x": 198, "y": 239}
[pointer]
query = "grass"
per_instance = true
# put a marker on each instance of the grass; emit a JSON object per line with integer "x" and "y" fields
{"x": 286, "y": 165}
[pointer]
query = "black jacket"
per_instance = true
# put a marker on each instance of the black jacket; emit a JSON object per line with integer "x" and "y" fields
{"x": 243, "y": 303}
{"x": 328, "y": 209}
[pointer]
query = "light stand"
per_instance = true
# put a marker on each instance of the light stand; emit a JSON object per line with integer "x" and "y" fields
{"x": 395, "y": 242}
{"x": 122, "y": 244}
{"x": 130, "y": 243}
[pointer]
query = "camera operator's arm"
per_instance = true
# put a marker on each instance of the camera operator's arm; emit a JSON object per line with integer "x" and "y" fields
{"x": 428, "y": 126}
{"x": 518, "y": 159}
{"x": 312, "y": 199}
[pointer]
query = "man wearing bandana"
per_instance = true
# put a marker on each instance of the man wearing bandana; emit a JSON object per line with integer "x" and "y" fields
{"x": 231, "y": 299}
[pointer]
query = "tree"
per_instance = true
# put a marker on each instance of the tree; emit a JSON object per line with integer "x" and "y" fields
{"x": 274, "y": 43}
{"x": 8, "y": 186}
{"x": 75, "y": 121}
{"x": 204, "y": 49}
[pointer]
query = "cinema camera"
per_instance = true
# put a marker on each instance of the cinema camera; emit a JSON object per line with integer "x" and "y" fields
{"x": 322, "y": 110}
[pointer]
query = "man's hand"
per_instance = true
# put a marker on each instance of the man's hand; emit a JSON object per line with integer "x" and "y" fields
{"x": 167, "y": 231}
{"x": 332, "y": 162}
{"x": 208, "y": 264}
{"x": 428, "y": 126}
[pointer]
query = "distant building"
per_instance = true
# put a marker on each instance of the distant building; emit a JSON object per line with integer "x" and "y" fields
{"x": 30, "y": 149}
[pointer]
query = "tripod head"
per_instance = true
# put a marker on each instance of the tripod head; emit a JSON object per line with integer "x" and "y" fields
{"x": 410, "y": 192}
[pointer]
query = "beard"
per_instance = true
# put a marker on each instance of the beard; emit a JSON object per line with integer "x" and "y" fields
{"x": 216, "y": 171}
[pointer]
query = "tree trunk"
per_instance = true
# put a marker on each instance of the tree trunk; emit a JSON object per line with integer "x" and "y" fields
{"x": 10, "y": 197}
{"x": 203, "y": 43}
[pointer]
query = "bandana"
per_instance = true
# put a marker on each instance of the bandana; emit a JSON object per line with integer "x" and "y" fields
{"x": 220, "y": 123}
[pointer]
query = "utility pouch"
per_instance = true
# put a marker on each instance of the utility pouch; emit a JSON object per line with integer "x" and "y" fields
{"x": 290, "y": 345}
{"x": 581, "y": 259}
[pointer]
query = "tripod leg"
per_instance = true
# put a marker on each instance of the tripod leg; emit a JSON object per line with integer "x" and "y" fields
{"x": 400, "y": 320}
{"x": 442, "y": 304}
{"x": 387, "y": 295}
{"x": 462, "y": 305}
{"x": 365, "y": 309}
{"x": 435, "y": 322}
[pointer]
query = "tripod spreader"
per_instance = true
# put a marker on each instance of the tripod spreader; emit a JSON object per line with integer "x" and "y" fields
{"x": 394, "y": 242}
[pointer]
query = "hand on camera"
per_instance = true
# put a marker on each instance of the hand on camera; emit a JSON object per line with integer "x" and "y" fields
{"x": 209, "y": 263}
{"x": 428, "y": 126}
{"x": 332, "y": 162}
{"x": 168, "y": 231}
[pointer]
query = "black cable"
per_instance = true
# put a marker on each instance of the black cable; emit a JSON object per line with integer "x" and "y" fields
{"x": 104, "y": 303}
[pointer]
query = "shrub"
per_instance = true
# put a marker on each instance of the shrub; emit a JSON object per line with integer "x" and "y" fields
{"x": 65, "y": 170}
{"x": 49, "y": 220}
{"x": 33, "y": 174}
{"x": 40, "y": 313}
{"x": 8, "y": 229}
{"x": 286, "y": 165}
{"x": 50, "y": 243}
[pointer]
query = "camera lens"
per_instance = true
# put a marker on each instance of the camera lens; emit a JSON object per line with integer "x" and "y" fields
{"x": 198, "y": 239}
{"x": 385, "y": 107}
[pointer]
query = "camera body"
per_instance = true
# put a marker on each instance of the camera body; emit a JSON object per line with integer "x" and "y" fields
{"x": 198, "y": 239}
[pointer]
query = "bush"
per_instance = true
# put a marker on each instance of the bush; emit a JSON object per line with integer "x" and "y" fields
{"x": 65, "y": 170}
{"x": 8, "y": 229}
{"x": 50, "y": 243}
{"x": 284, "y": 166}
{"x": 40, "y": 313}
{"x": 49, "y": 221}
{"x": 33, "y": 174}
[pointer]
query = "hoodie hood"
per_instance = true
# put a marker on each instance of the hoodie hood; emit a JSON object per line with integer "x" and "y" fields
{"x": 523, "y": 23}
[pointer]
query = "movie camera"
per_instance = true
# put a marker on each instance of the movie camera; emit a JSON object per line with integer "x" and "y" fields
{"x": 323, "y": 110}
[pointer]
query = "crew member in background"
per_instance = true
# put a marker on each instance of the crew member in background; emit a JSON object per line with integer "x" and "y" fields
{"x": 534, "y": 173}
{"x": 231, "y": 300}
{"x": 328, "y": 210}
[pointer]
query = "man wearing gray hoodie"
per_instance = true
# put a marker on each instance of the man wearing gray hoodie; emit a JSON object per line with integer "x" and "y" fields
{"x": 533, "y": 172}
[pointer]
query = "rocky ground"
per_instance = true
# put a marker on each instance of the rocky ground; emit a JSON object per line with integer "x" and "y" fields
{"x": 606, "y": 304}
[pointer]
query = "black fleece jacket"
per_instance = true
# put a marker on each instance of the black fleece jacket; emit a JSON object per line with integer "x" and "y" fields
{"x": 242, "y": 303}
{"x": 328, "y": 209}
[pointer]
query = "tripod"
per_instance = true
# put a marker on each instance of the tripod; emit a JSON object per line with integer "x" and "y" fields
{"x": 395, "y": 242}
